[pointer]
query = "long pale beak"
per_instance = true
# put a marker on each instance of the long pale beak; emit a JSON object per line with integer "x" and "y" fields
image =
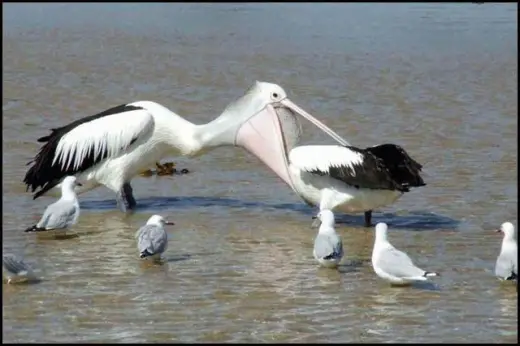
{"x": 316, "y": 223}
{"x": 262, "y": 136}
{"x": 292, "y": 106}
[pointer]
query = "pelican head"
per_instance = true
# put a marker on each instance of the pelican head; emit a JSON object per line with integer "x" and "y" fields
{"x": 268, "y": 126}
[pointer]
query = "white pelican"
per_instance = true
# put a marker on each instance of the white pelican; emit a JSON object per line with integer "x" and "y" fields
{"x": 342, "y": 176}
{"x": 112, "y": 147}
{"x": 352, "y": 179}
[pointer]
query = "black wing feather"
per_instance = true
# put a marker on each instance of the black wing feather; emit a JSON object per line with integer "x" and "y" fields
{"x": 403, "y": 169}
{"x": 384, "y": 167}
{"x": 44, "y": 174}
{"x": 370, "y": 174}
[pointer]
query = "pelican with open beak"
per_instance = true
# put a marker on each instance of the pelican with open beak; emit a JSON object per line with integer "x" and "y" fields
{"x": 113, "y": 146}
{"x": 331, "y": 177}
{"x": 273, "y": 129}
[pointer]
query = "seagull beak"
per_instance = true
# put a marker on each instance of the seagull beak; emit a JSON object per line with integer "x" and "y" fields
{"x": 171, "y": 223}
{"x": 498, "y": 231}
{"x": 79, "y": 184}
{"x": 316, "y": 223}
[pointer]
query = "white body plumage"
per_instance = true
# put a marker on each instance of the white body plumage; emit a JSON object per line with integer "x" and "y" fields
{"x": 151, "y": 129}
{"x": 328, "y": 192}
{"x": 111, "y": 147}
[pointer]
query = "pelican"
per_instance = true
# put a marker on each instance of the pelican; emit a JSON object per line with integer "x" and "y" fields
{"x": 341, "y": 176}
{"x": 111, "y": 147}
{"x": 352, "y": 179}
{"x": 332, "y": 177}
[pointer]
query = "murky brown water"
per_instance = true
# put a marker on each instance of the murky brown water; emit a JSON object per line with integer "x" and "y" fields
{"x": 441, "y": 80}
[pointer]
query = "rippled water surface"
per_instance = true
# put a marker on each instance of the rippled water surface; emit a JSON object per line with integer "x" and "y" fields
{"x": 438, "y": 79}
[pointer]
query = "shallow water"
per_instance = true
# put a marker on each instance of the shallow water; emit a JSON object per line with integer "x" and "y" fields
{"x": 438, "y": 79}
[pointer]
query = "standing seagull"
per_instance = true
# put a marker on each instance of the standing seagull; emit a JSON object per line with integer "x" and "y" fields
{"x": 152, "y": 239}
{"x": 112, "y": 147}
{"x": 15, "y": 270}
{"x": 353, "y": 179}
{"x": 328, "y": 247}
{"x": 506, "y": 265}
{"x": 393, "y": 265}
{"x": 62, "y": 213}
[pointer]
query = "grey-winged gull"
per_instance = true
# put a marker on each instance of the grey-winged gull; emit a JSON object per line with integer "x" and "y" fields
{"x": 506, "y": 265}
{"x": 328, "y": 247}
{"x": 62, "y": 213}
{"x": 393, "y": 265}
{"x": 15, "y": 270}
{"x": 152, "y": 239}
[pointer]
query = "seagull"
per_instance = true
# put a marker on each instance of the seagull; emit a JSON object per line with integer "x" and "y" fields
{"x": 328, "y": 247}
{"x": 15, "y": 270}
{"x": 506, "y": 265}
{"x": 113, "y": 146}
{"x": 393, "y": 265}
{"x": 62, "y": 213}
{"x": 152, "y": 239}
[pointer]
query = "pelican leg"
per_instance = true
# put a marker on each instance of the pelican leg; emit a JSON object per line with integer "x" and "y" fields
{"x": 368, "y": 218}
{"x": 125, "y": 198}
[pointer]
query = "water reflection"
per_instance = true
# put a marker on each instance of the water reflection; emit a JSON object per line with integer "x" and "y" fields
{"x": 413, "y": 220}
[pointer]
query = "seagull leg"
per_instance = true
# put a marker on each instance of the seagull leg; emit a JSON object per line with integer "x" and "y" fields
{"x": 368, "y": 218}
{"x": 125, "y": 198}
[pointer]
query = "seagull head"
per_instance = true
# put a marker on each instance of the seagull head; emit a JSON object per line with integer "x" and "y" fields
{"x": 324, "y": 217}
{"x": 159, "y": 221}
{"x": 381, "y": 230}
{"x": 507, "y": 229}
